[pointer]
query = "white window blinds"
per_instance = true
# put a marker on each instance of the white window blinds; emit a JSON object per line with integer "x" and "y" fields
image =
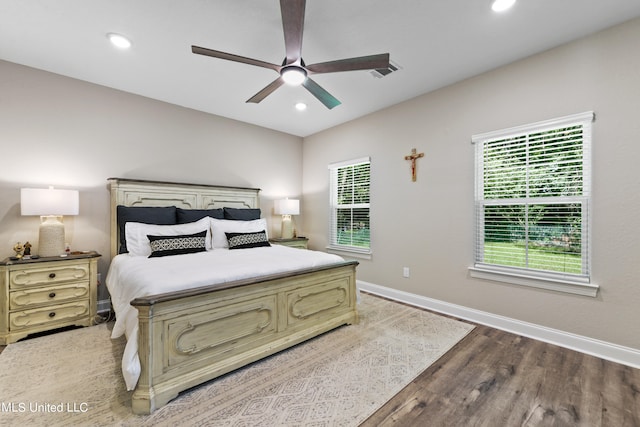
{"x": 532, "y": 198}
{"x": 349, "y": 227}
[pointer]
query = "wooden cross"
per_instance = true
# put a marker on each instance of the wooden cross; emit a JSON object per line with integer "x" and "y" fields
{"x": 413, "y": 156}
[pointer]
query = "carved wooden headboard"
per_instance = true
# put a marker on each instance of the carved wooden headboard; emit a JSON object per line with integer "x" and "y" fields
{"x": 133, "y": 192}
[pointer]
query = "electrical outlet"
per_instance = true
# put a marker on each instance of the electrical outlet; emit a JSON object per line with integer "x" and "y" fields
{"x": 405, "y": 272}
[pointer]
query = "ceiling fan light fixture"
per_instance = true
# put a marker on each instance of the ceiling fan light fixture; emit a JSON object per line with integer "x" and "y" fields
{"x": 293, "y": 70}
{"x": 119, "y": 41}
{"x": 502, "y": 5}
{"x": 293, "y": 75}
{"x": 301, "y": 106}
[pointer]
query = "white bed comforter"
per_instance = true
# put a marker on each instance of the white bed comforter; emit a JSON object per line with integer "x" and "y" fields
{"x": 130, "y": 277}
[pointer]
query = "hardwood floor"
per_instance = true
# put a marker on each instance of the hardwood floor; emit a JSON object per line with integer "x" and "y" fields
{"x": 495, "y": 378}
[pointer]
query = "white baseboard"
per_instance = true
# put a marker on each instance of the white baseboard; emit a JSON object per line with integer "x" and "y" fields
{"x": 613, "y": 352}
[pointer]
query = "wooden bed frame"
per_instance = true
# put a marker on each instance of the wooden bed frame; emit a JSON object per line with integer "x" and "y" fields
{"x": 192, "y": 336}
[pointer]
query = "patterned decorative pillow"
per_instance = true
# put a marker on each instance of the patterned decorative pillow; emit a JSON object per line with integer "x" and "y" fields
{"x": 247, "y": 240}
{"x": 138, "y": 243}
{"x": 177, "y": 245}
{"x": 219, "y": 228}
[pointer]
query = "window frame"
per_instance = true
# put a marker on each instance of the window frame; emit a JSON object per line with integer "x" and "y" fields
{"x": 527, "y": 276}
{"x": 334, "y": 246}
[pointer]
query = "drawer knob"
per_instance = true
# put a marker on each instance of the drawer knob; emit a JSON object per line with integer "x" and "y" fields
{"x": 52, "y": 314}
{"x": 52, "y": 275}
{"x": 52, "y": 295}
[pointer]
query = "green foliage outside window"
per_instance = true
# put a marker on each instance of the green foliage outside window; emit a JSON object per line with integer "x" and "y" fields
{"x": 351, "y": 212}
{"x": 532, "y": 207}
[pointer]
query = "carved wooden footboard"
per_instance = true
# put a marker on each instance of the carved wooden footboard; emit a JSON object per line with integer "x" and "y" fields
{"x": 192, "y": 336}
{"x": 187, "y": 338}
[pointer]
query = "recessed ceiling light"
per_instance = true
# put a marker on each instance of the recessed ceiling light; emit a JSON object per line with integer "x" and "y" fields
{"x": 301, "y": 106}
{"x": 502, "y": 5}
{"x": 119, "y": 41}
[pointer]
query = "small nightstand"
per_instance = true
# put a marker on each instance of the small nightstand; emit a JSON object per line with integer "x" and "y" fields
{"x": 296, "y": 242}
{"x": 47, "y": 293}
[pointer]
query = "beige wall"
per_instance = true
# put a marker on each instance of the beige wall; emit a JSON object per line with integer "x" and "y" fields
{"x": 59, "y": 131}
{"x": 71, "y": 134}
{"x": 428, "y": 225}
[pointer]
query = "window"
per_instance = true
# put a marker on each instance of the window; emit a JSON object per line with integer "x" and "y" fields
{"x": 532, "y": 203}
{"x": 349, "y": 201}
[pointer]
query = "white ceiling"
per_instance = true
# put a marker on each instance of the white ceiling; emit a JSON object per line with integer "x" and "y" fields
{"x": 435, "y": 42}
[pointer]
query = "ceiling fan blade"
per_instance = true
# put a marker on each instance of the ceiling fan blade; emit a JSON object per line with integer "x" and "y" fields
{"x": 268, "y": 90}
{"x": 323, "y": 96}
{"x": 231, "y": 57}
{"x": 370, "y": 62}
{"x": 293, "y": 26}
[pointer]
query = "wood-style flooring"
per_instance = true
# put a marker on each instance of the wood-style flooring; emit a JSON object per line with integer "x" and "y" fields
{"x": 494, "y": 378}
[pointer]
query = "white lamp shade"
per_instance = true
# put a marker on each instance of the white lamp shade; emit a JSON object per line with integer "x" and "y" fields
{"x": 287, "y": 207}
{"x": 41, "y": 201}
{"x": 51, "y": 205}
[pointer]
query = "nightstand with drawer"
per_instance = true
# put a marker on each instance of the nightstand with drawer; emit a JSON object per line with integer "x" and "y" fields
{"x": 296, "y": 242}
{"x": 47, "y": 293}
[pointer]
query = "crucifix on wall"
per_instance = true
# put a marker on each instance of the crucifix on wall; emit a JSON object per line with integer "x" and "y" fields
{"x": 413, "y": 157}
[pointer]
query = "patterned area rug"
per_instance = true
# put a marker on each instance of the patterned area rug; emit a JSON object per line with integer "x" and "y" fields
{"x": 337, "y": 379}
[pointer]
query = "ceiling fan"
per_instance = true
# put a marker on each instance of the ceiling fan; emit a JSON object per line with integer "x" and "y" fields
{"x": 293, "y": 69}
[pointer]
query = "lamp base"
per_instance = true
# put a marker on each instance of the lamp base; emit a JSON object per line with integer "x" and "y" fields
{"x": 51, "y": 236}
{"x": 286, "y": 231}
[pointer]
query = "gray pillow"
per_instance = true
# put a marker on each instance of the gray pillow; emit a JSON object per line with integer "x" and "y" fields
{"x": 192, "y": 215}
{"x": 241, "y": 214}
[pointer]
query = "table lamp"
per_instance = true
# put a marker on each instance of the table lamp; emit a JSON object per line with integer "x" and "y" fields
{"x": 286, "y": 208}
{"x": 51, "y": 204}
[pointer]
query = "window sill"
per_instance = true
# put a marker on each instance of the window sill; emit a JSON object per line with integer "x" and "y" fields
{"x": 352, "y": 253}
{"x": 566, "y": 285}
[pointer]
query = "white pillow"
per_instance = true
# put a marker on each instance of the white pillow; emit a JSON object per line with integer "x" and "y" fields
{"x": 221, "y": 226}
{"x": 138, "y": 242}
